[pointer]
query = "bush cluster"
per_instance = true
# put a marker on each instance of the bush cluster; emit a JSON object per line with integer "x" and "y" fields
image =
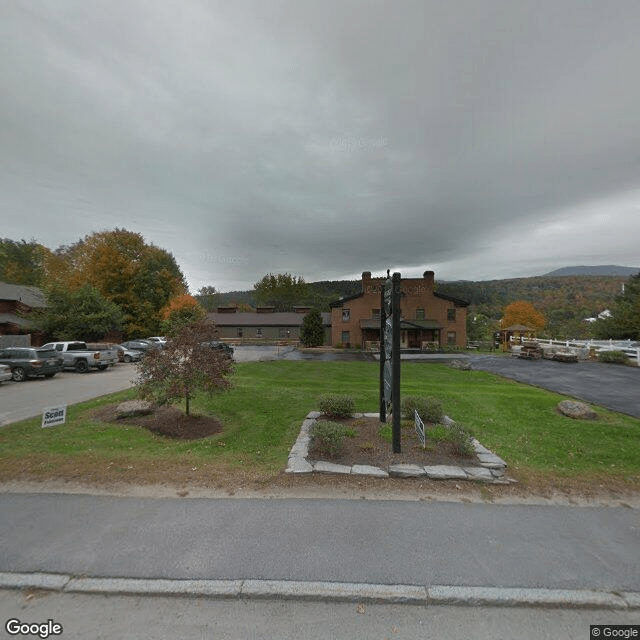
{"x": 454, "y": 433}
{"x": 617, "y": 357}
{"x": 461, "y": 440}
{"x": 430, "y": 409}
{"x": 336, "y": 406}
{"x": 328, "y": 437}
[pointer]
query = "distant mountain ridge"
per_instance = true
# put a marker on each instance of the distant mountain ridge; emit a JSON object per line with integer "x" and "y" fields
{"x": 596, "y": 270}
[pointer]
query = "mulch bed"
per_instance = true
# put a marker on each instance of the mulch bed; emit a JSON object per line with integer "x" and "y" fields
{"x": 369, "y": 448}
{"x": 167, "y": 421}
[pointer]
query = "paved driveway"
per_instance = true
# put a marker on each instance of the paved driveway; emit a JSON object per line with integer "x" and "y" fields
{"x": 612, "y": 386}
{"x": 21, "y": 400}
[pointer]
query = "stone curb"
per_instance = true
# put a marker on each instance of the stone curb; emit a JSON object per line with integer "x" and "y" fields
{"x": 437, "y": 595}
{"x": 491, "y": 469}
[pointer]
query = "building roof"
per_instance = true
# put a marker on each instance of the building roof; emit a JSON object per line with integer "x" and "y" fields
{"x": 31, "y": 296}
{"x": 12, "y": 318}
{"x": 517, "y": 327}
{"x": 457, "y": 301}
{"x": 253, "y": 319}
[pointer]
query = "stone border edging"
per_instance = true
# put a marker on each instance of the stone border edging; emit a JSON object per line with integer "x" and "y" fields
{"x": 490, "y": 470}
{"x": 433, "y": 595}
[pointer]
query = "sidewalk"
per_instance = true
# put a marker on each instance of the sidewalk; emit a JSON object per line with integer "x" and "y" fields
{"x": 323, "y": 550}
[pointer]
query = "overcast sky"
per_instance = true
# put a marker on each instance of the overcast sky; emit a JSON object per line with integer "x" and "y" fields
{"x": 481, "y": 139}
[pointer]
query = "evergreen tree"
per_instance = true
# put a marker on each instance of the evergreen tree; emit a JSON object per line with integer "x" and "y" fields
{"x": 80, "y": 314}
{"x": 312, "y": 331}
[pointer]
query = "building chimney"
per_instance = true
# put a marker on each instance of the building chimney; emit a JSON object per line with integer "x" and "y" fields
{"x": 366, "y": 279}
{"x": 429, "y": 279}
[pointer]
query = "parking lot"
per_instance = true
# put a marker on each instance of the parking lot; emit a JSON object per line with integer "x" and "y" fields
{"x": 20, "y": 400}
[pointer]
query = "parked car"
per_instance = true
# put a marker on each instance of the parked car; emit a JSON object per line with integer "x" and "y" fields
{"x": 30, "y": 362}
{"x": 159, "y": 340}
{"x": 128, "y": 355}
{"x": 77, "y": 356}
{"x": 140, "y": 345}
{"x": 5, "y": 372}
{"x": 221, "y": 346}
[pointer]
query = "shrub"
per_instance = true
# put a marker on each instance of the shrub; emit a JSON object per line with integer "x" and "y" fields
{"x": 429, "y": 409}
{"x": 461, "y": 440}
{"x": 328, "y": 437}
{"x": 454, "y": 433}
{"x": 336, "y": 406}
{"x": 617, "y": 357}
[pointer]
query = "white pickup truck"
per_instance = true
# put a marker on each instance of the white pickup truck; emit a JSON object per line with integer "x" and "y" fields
{"x": 78, "y": 356}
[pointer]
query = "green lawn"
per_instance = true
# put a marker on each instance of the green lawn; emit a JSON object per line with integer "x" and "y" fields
{"x": 263, "y": 411}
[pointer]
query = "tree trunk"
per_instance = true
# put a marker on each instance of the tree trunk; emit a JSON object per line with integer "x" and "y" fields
{"x": 187, "y": 399}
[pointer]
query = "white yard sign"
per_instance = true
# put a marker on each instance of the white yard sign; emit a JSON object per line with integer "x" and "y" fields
{"x": 54, "y": 416}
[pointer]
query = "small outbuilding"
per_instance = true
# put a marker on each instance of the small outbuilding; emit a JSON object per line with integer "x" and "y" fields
{"x": 514, "y": 334}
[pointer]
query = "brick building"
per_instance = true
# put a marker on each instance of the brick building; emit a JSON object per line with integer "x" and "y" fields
{"x": 429, "y": 319}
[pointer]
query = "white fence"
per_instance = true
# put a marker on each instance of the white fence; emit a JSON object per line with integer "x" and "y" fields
{"x": 583, "y": 348}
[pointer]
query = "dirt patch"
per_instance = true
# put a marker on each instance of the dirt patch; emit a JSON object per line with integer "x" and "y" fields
{"x": 368, "y": 447}
{"x": 166, "y": 421}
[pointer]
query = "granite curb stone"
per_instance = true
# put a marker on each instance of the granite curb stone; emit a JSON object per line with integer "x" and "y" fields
{"x": 515, "y": 597}
{"x": 327, "y": 591}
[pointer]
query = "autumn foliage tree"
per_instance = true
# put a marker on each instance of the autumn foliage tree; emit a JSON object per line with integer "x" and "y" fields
{"x": 185, "y": 366}
{"x": 138, "y": 277}
{"x": 179, "y": 312}
{"x": 524, "y": 313}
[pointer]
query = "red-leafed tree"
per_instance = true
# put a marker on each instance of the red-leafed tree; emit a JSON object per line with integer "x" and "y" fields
{"x": 186, "y": 365}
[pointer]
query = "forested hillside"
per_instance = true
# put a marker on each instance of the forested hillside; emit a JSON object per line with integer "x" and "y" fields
{"x": 564, "y": 300}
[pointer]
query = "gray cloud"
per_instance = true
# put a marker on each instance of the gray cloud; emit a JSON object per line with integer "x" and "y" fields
{"x": 479, "y": 139}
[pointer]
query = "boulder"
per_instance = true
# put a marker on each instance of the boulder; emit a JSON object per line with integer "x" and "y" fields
{"x": 463, "y": 365}
{"x": 132, "y": 408}
{"x": 577, "y": 410}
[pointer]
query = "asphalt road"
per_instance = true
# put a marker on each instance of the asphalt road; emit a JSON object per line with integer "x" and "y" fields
{"x": 381, "y": 542}
{"x": 612, "y": 386}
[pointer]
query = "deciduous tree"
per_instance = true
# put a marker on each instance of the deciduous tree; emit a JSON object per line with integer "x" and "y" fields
{"x": 522, "y": 312}
{"x": 208, "y": 297}
{"x": 22, "y": 262}
{"x": 281, "y": 291}
{"x": 179, "y": 312}
{"x": 138, "y": 277}
{"x": 185, "y": 366}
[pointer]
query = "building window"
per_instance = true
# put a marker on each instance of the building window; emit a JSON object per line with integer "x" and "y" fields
{"x": 451, "y": 315}
{"x": 239, "y": 332}
{"x": 346, "y": 339}
{"x": 375, "y": 314}
{"x": 419, "y": 314}
{"x": 258, "y": 332}
{"x": 346, "y": 315}
{"x": 451, "y": 337}
{"x": 284, "y": 333}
